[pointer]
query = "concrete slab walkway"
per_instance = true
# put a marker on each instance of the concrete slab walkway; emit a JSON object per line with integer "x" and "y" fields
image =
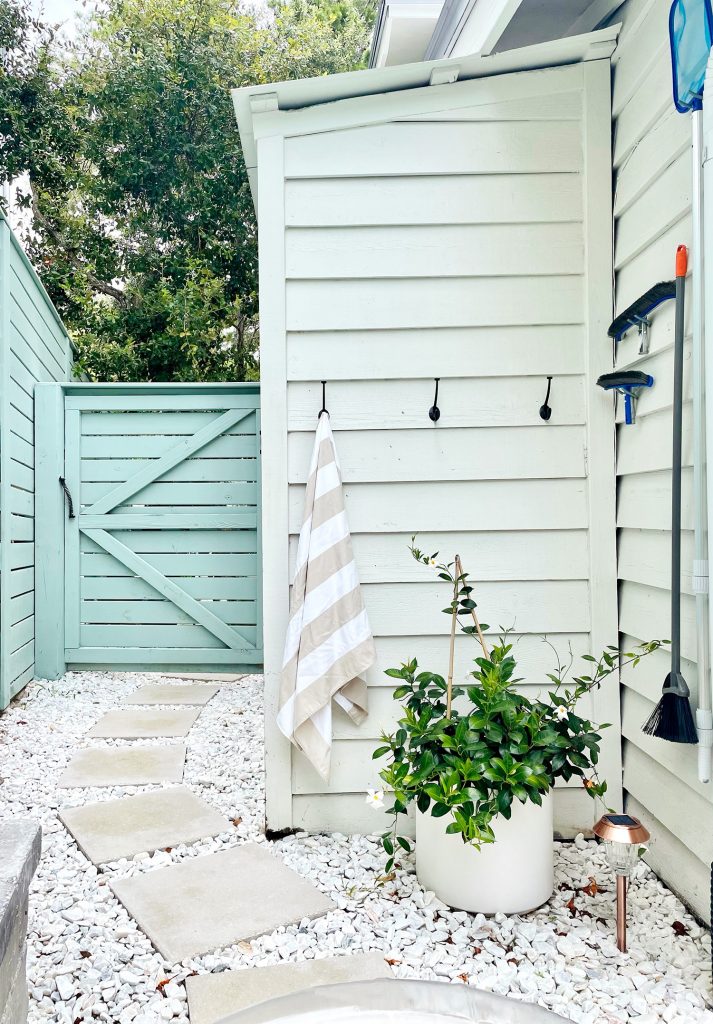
{"x": 210, "y": 902}
{"x": 124, "y": 766}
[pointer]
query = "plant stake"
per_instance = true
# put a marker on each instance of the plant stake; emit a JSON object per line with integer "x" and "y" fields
{"x": 481, "y": 638}
{"x": 451, "y": 659}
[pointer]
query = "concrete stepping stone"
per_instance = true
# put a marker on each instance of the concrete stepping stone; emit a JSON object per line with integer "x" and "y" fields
{"x": 213, "y": 901}
{"x": 112, "y": 829}
{"x": 213, "y": 996}
{"x": 212, "y": 677}
{"x": 131, "y": 724}
{"x": 164, "y": 693}
{"x": 124, "y": 766}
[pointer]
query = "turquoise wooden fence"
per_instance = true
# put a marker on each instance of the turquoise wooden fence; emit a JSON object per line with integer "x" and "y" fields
{"x": 151, "y": 557}
{"x": 34, "y": 346}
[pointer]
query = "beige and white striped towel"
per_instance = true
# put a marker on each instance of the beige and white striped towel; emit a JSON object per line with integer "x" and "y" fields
{"x": 329, "y": 642}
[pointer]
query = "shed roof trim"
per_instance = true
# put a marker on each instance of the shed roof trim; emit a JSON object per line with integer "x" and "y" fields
{"x": 250, "y": 101}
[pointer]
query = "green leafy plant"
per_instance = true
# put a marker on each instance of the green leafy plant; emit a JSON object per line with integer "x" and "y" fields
{"x": 467, "y": 752}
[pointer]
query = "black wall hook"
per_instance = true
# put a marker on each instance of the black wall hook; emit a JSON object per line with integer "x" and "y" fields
{"x": 545, "y": 411}
{"x": 324, "y": 399}
{"x": 434, "y": 413}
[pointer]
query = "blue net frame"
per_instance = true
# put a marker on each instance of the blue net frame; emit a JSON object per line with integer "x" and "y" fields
{"x": 690, "y": 29}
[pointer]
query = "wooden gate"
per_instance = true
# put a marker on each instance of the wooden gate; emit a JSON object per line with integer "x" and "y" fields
{"x": 154, "y": 500}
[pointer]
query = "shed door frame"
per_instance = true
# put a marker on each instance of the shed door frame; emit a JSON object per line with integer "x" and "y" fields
{"x": 271, "y": 128}
{"x": 107, "y": 533}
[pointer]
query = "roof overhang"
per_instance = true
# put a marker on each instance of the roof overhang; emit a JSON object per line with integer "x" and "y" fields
{"x": 262, "y": 102}
{"x": 403, "y": 31}
{"x": 493, "y": 17}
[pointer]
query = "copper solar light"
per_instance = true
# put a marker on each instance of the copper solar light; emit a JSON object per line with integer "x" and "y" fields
{"x": 622, "y": 836}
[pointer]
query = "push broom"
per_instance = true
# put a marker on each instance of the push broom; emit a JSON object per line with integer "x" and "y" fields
{"x": 672, "y": 718}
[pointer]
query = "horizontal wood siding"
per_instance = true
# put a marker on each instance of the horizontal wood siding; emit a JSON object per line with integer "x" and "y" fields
{"x": 453, "y": 246}
{"x": 652, "y": 158}
{"x": 33, "y": 347}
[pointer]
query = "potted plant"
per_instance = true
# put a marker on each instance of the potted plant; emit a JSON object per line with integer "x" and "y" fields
{"x": 479, "y": 761}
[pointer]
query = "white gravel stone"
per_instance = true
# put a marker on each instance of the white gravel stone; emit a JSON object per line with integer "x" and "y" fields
{"x": 87, "y": 958}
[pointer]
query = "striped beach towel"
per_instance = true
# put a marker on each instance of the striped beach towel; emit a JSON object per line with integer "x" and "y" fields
{"x": 329, "y": 643}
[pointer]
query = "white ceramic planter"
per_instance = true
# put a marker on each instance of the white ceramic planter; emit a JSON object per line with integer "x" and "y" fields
{"x": 510, "y": 876}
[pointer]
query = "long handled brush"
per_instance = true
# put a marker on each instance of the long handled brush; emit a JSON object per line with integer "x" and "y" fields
{"x": 672, "y": 718}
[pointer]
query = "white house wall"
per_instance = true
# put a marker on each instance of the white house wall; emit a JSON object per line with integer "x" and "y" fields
{"x": 470, "y": 244}
{"x": 652, "y": 160}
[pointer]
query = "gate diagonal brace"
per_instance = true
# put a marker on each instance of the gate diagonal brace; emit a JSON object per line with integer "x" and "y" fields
{"x": 229, "y": 635}
{"x": 159, "y": 467}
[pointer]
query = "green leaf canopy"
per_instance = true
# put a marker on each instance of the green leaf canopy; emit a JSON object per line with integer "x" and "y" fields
{"x": 123, "y": 148}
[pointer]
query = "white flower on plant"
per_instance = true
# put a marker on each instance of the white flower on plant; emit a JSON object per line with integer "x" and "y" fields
{"x": 561, "y": 712}
{"x": 432, "y": 561}
{"x": 375, "y": 798}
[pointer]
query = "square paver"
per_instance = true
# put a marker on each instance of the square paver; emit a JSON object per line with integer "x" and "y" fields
{"x": 124, "y": 766}
{"x": 212, "y": 996}
{"x": 209, "y": 902}
{"x": 132, "y": 724}
{"x": 165, "y": 693}
{"x": 112, "y": 829}
{"x": 213, "y": 677}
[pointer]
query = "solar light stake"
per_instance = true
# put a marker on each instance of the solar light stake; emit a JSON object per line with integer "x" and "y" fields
{"x": 621, "y": 912}
{"x": 622, "y": 836}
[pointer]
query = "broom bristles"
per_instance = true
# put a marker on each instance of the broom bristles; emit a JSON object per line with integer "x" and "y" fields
{"x": 672, "y": 719}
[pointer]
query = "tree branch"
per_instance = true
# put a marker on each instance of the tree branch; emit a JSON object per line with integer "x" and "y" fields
{"x": 73, "y": 256}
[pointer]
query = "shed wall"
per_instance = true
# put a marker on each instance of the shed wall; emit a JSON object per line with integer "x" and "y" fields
{"x": 469, "y": 244}
{"x": 652, "y": 206}
{"x": 33, "y": 347}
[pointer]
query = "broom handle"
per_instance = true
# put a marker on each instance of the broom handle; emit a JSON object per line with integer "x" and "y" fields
{"x": 681, "y": 267}
{"x": 481, "y": 638}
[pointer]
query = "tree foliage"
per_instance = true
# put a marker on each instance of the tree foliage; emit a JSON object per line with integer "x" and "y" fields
{"x": 124, "y": 150}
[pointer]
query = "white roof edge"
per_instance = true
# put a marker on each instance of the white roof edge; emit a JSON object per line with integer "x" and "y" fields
{"x": 309, "y": 92}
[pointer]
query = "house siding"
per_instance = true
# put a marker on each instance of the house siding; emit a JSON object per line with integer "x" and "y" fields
{"x": 457, "y": 245}
{"x": 652, "y": 208}
{"x": 33, "y": 347}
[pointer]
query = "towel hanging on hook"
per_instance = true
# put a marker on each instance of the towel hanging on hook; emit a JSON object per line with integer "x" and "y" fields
{"x": 324, "y": 399}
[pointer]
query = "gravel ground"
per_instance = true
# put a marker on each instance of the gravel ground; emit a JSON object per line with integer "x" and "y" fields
{"x": 88, "y": 960}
